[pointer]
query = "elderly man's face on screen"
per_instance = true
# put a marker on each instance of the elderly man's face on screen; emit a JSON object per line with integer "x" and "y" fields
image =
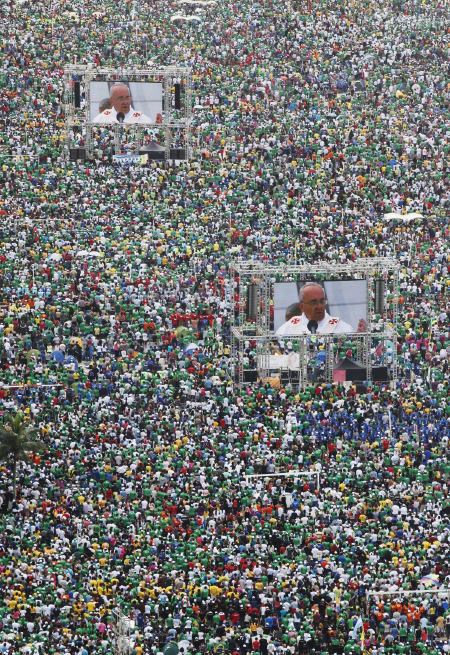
{"x": 121, "y": 98}
{"x": 313, "y": 303}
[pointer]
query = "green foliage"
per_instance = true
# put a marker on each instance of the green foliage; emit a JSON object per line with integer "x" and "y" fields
{"x": 18, "y": 438}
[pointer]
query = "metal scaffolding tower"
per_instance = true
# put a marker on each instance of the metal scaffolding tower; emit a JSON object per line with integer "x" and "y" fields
{"x": 255, "y": 346}
{"x": 176, "y": 115}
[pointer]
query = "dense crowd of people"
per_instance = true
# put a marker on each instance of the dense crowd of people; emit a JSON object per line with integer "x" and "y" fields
{"x": 149, "y": 500}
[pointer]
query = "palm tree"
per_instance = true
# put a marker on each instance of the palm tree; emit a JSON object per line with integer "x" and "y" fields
{"x": 17, "y": 439}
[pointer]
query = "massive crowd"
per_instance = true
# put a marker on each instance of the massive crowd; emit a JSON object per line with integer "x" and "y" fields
{"x": 115, "y": 340}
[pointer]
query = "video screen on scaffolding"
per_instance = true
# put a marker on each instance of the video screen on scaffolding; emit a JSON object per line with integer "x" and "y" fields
{"x": 319, "y": 307}
{"x": 127, "y": 102}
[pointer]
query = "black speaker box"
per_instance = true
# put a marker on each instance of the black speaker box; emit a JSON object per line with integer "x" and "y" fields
{"x": 177, "y": 96}
{"x": 76, "y": 92}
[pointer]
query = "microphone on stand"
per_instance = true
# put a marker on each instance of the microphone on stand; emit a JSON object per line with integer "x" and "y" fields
{"x": 120, "y": 117}
{"x": 312, "y": 326}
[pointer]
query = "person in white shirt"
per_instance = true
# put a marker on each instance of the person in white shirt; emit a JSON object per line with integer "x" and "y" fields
{"x": 121, "y": 110}
{"x": 313, "y": 317}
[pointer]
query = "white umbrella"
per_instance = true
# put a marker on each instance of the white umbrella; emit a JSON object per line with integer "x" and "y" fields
{"x": 189, "y": 18}
{"x": 89, "y": 253}
{"x": 406, "y": 218}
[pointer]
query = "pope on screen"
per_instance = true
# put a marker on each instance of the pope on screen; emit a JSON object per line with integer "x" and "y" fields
{"x": 312, "y": 316}
{"x": 121, "y": 111}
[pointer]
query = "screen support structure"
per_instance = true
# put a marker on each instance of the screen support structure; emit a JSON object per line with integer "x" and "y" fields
{"x": 302, "y": 373}
{"x": 122, "y": 644}
{"x": 259, "y": 333}
{"x": 78, "y": 118}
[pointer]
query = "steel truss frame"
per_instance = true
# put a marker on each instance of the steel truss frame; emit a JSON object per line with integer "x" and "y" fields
{"x": 261, "y": 277}
{"x": 168, "y": 76}
{"x": 301, "y": 368}
{"x": 121, "y": 633}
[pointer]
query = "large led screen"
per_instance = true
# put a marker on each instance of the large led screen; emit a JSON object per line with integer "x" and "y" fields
{"x": 325, "y": 307}
{"x": 130, "y": 103}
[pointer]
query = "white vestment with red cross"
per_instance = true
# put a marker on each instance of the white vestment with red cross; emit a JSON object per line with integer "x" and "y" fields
{"x": 328, "y": 325}
{"x": 132, "y": 117}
